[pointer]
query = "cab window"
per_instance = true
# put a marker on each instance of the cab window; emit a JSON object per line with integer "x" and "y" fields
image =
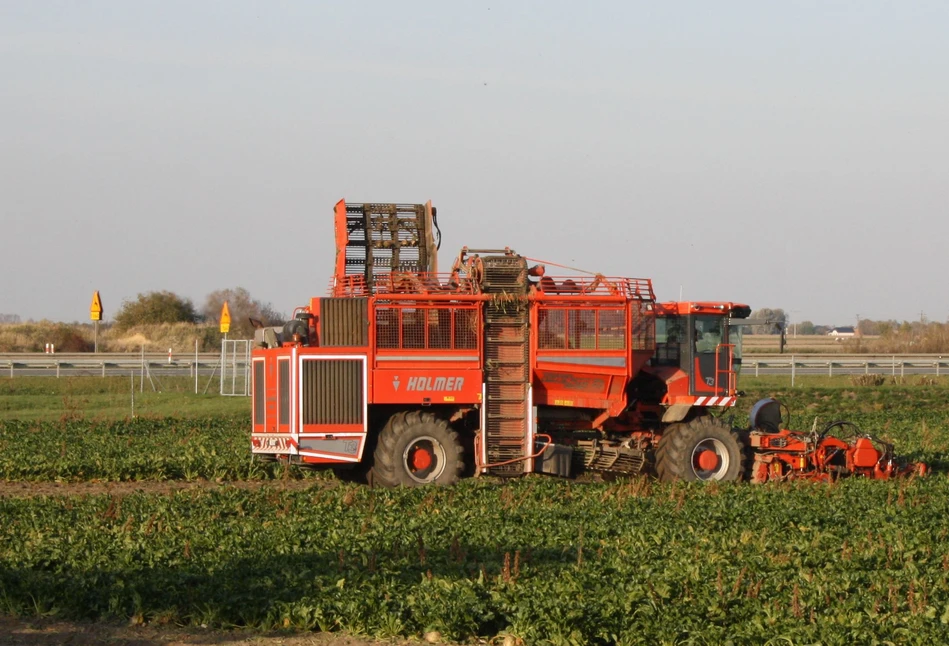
{"x": 708, "y": 333}
{"x": 668, "y": 339}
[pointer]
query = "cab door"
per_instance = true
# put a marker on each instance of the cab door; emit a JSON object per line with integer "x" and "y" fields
{"x": 711, "y": 355}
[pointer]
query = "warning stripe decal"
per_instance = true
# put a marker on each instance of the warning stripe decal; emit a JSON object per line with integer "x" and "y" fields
{"x": 715, "y": 401}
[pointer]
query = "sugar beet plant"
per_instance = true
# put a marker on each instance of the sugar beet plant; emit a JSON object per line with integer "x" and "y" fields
{"x": 915, "y": 418}
{"x": 137, "y": 449}
{"x": 543, "y": 560}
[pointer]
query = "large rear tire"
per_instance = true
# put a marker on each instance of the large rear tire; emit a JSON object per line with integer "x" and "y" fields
{"x": 704, "y": 449}
{"x": 416, "y": 449}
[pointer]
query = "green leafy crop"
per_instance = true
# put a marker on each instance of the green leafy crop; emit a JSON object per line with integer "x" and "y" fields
{"x": 138, "y": 449}
{"x": 545, "y": 560}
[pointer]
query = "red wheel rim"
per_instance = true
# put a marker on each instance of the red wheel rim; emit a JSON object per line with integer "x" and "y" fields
{"x": 421, "y": 459}
{"x": 708, "y": 460}
{"x": 424, "y": 459}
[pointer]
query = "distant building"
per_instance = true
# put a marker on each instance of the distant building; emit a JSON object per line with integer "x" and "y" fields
{"x": 842, "y": 332}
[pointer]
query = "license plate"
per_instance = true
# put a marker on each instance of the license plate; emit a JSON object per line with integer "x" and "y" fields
{"x": 271, "y": 443}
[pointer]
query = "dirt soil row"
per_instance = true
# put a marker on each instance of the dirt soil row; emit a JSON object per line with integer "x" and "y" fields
{"x": 25, "y": 489}
{"x": 50, "y": 632}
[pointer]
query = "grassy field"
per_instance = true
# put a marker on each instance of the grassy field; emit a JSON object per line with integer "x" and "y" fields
{"x": 47, "y": 398}
{"x": 536, "y": 559}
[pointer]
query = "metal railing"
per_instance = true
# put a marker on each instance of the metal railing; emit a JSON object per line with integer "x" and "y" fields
{"x": 101, "y": 364}
{"x": 846, "y": 364}
{"x": 205, "y": 363}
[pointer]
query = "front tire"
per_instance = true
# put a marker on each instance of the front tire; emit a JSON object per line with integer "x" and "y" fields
{"x": 665, "y": 441}
{"x": 416, "y": 449}
{"x": 704, "y": 449}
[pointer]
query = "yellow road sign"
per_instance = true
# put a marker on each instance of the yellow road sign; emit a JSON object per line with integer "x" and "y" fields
{"x": 95, "y": 310}
{"x": 225, "y": 319}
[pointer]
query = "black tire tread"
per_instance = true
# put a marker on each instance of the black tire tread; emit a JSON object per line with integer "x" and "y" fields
{"x": 674, "y": 455}
{"x": 387, "y": 468}
{"x": 662, "y": 449}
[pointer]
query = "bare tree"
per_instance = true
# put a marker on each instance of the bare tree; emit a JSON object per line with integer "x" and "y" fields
{"x": 776, "y": 317}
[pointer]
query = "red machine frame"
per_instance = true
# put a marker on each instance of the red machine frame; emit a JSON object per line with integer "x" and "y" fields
{"x": 400, "y": 366}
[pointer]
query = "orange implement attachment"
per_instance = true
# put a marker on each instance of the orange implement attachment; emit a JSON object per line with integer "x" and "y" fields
{"x": 788, "y": 455}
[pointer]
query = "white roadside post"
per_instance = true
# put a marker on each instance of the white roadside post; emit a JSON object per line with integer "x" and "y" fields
{"x": 225, "y": 328}
{"x": 95, "y": 315}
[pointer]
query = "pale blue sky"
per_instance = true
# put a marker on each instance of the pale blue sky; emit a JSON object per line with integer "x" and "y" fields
{"x": 790, "y": 154}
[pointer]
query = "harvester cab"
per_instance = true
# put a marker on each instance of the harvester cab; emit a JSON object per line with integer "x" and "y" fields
{"x": 698, "y": 351}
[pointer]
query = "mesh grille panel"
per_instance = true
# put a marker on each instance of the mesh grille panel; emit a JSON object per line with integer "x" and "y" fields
{"x": 332, "y": 391}
{"x": 611, "y": 329}
{"x": 413, "y": 329}
{"x": 259, "y": 392}
{"x": 581, "y": 329}
{"x": 344, "y": 322}
{"x": 434, "y": 328}
{"x": 283, "y": 389}
{"x": 552, "y": 324}
{"x": 643, "y": 334}
{"x": 439, "y": 329}
{"x": 467, "y": 329}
